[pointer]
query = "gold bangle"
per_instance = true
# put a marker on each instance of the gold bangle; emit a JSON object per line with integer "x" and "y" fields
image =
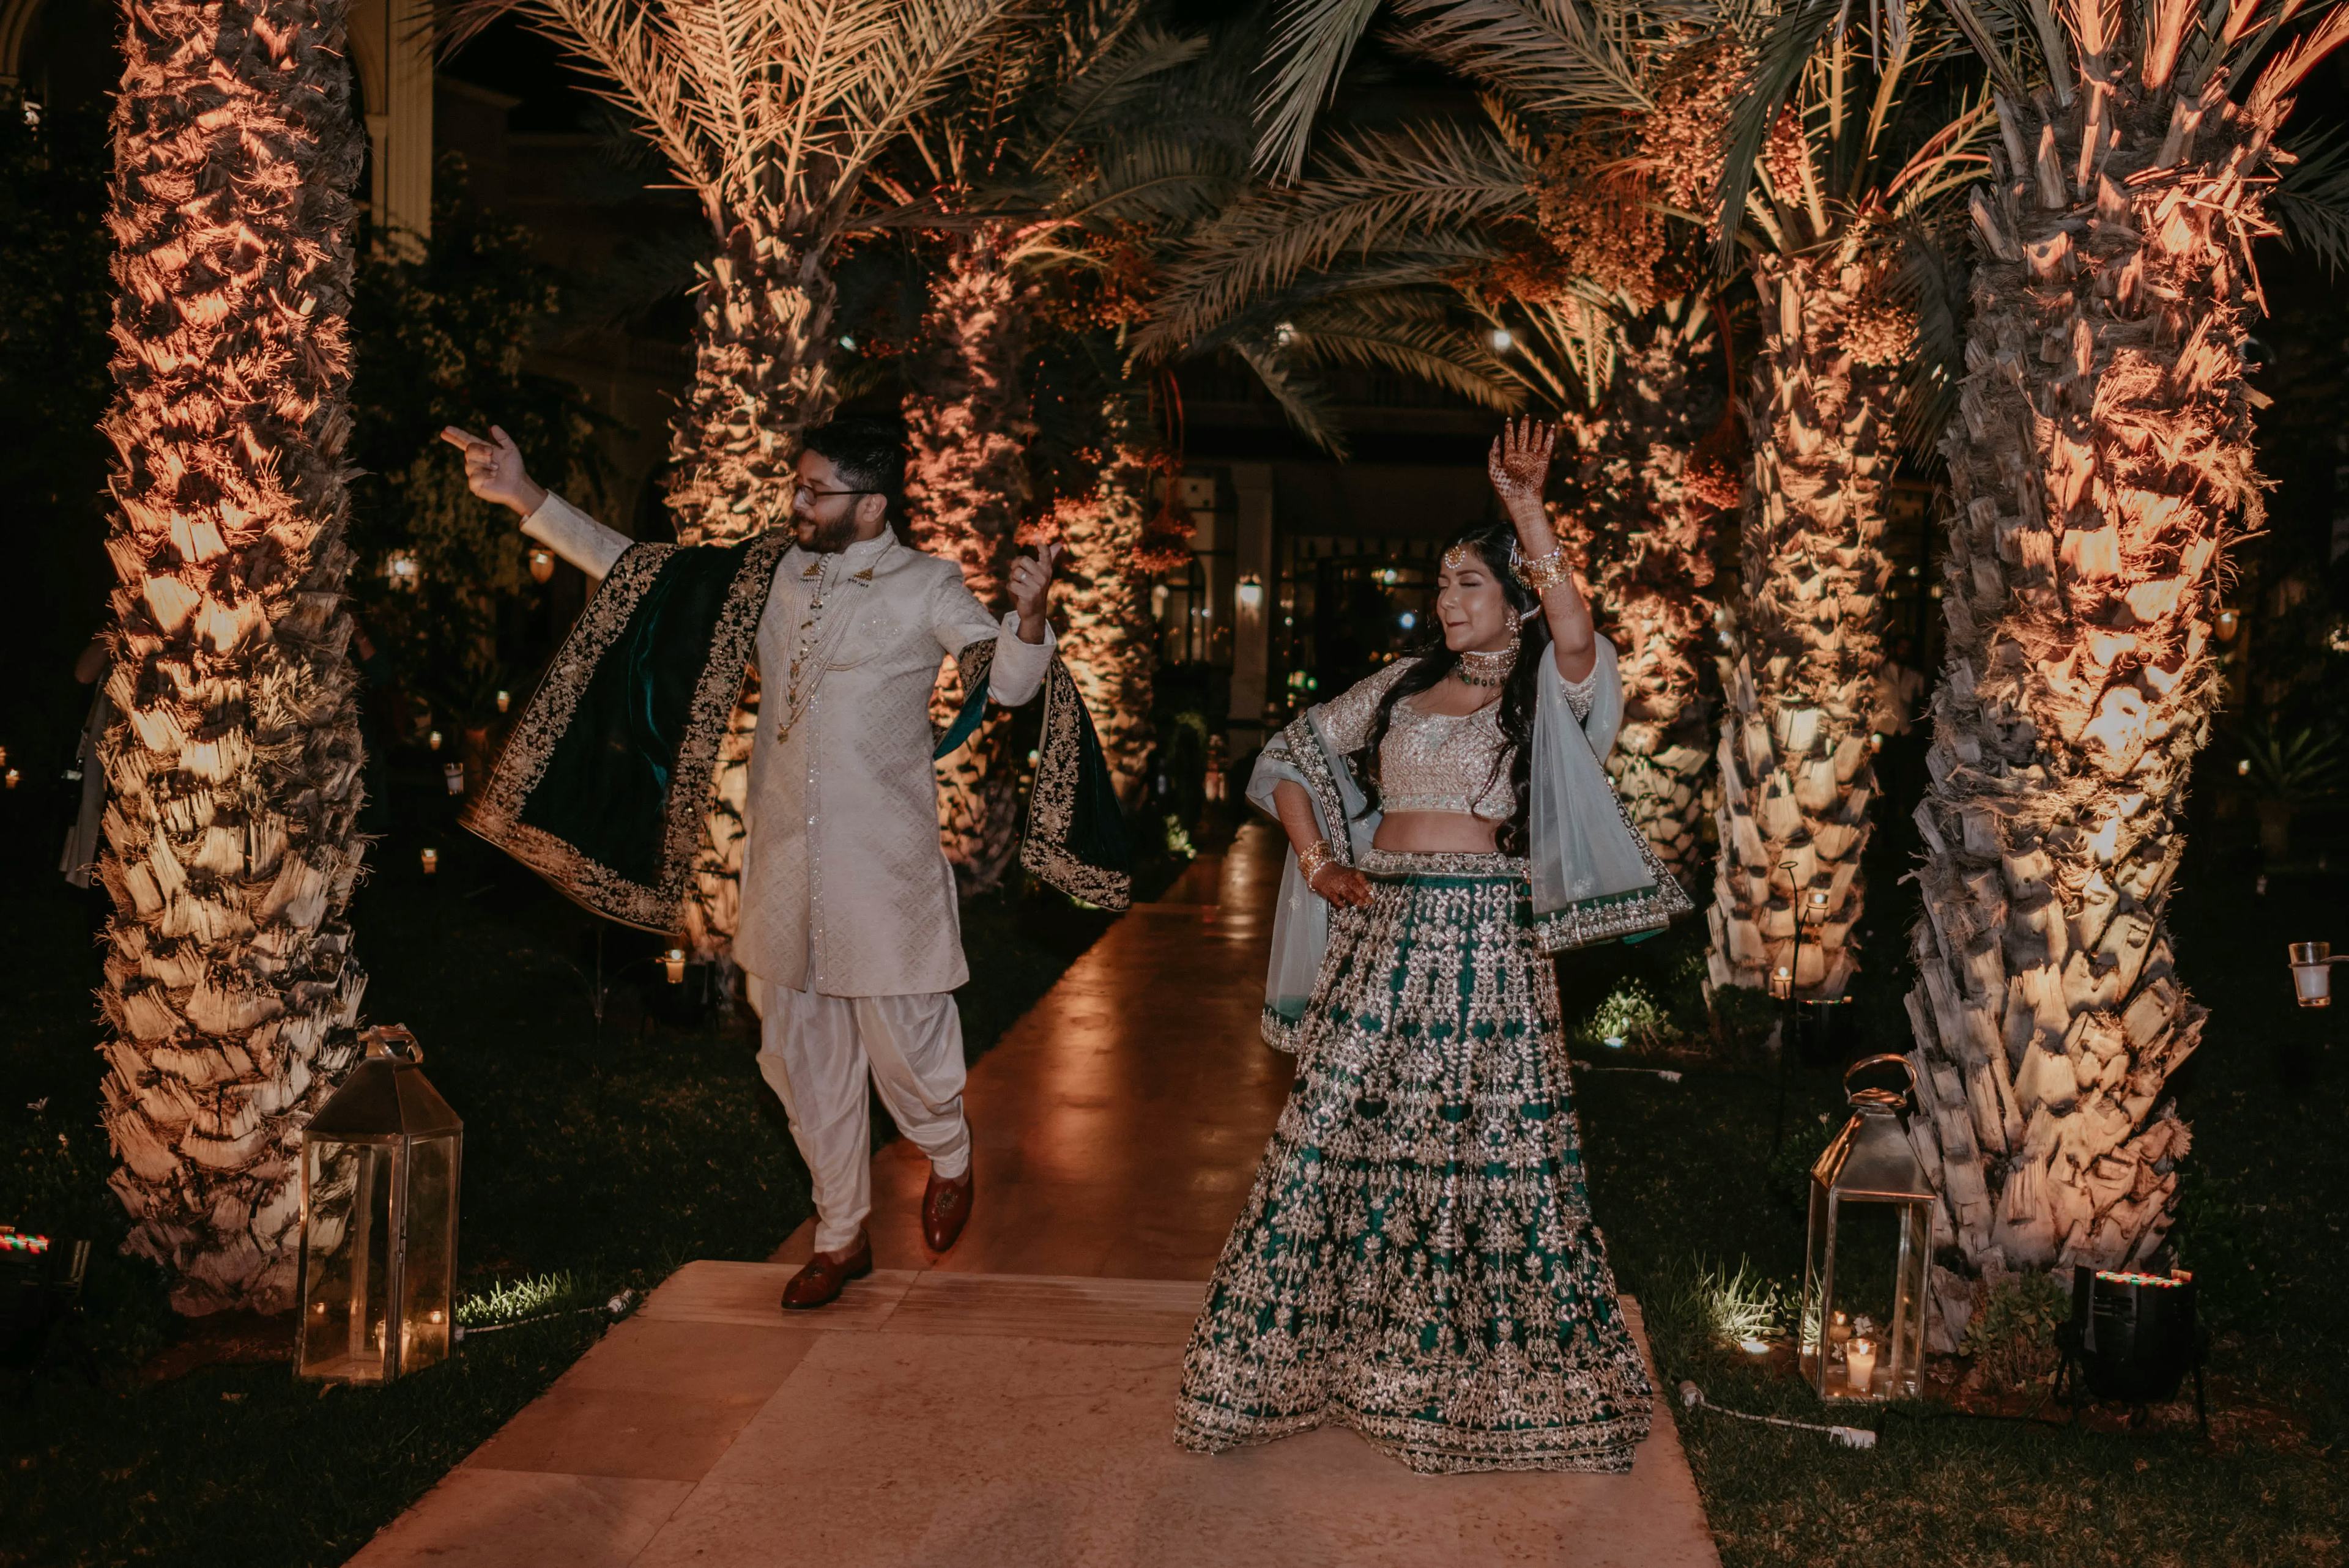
{"x": 1543, "y": 572}
{"x": 1314, "y": 859}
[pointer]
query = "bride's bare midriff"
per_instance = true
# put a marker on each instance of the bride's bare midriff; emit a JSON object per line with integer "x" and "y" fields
{"x": 1423, "y": 833}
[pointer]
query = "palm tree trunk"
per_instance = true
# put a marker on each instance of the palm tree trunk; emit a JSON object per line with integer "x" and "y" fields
{"x": 759, "y": 379}
{"x": 1644, "y": 524}
{"x": 229, "y": 837}
{"x": 1795, "y": 776}
{"x": 2100, "y": 464}
{"x": 1104, "y": 597}
{"x": 966, "y": 423}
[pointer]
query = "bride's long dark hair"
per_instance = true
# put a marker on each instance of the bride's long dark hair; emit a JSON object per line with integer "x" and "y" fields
{"x": 1493, "y": 542}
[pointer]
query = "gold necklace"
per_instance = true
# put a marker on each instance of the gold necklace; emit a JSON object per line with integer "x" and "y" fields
{"x": 1487, "y": 667}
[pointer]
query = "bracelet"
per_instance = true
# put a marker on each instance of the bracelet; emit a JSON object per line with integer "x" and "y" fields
{"x": 1543, "y": 572}
{"x": 1314, "y": 859}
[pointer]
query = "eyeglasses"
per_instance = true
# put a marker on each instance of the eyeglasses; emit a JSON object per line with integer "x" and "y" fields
{"x": 814, "y": 494}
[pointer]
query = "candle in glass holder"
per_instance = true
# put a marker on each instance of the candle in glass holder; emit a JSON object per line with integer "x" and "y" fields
{"x": 454, "y": 773}
{"x": 431, "y": 859}
{"x": 542, "y": 564}
{"x": 13, "y": 778}
{"x": 674, "y": 962}
{"x": 1782, "y": 983}
{"x": 1859, "y": 1365}
{"x": 433, "y": 740}
{"x": 1838, "y": 1332}
{"x": 505, "y": 700}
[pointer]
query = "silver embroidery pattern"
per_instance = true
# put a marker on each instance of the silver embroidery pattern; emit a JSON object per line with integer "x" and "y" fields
{"x": 1416, "y": 1259}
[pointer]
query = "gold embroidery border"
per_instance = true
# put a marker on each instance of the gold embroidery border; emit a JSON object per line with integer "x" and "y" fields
{"x": 495, "y": 814}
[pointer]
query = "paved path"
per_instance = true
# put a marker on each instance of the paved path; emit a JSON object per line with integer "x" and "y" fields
{"x": 1010, "y": 1405}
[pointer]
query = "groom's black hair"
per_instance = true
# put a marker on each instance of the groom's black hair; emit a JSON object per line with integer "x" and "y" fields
{"x": 870, "y": 455}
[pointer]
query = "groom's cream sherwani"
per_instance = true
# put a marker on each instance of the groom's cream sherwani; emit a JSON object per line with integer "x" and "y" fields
{"x": 848, "y": 923}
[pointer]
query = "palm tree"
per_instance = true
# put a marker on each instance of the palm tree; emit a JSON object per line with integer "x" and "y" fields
{"x": 775, "y": 114}
{"x": 230, "y": 847}
{"x": 1072, "y": 132}
{"x": 1840, "y": 137}
{"x": 1644, "y": 501}
{"x": 2100, "y": 465}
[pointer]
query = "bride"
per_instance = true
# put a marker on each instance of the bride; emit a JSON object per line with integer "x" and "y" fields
{"x": 1416, "y": 1259}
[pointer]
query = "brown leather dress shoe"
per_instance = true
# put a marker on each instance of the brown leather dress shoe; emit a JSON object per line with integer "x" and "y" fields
{"x": 826, "y": 1275}
{"x": 945, "y": 1209}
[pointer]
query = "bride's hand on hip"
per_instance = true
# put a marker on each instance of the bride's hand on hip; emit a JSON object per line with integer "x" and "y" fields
{"x": 1341, "y": 885}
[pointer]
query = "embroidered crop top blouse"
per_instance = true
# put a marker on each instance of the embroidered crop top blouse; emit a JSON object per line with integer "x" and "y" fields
{"x": 1435, "y": 761}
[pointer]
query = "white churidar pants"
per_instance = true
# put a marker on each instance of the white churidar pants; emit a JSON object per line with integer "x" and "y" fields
{"x": 816, "y": 1052}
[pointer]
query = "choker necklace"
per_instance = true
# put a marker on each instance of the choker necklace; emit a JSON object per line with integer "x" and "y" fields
{"x": 1487, "y": 667}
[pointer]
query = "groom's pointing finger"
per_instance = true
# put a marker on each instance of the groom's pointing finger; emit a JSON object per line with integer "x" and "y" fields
{"x": 462, "y": 438}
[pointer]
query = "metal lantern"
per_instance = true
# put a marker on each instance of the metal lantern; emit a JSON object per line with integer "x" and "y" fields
{"x": 1864, "y": 1296}
{"x": 379, "y": 1168}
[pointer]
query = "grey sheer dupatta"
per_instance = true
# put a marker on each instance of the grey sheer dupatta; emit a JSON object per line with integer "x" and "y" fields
{"x": 1594, "y": 878}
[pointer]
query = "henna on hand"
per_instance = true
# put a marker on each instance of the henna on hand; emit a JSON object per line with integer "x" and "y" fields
{"x": 1518, "y": 463}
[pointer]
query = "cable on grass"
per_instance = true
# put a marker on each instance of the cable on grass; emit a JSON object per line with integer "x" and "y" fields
{"x": 615, "y": 1307}
{"x": 1693, "y": 1398}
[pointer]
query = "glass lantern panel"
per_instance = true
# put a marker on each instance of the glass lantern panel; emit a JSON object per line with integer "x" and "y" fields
{"x": 429, "y": 1281}
{"x": 346, "y": 1260}
{"x": 1863, "y": 1307}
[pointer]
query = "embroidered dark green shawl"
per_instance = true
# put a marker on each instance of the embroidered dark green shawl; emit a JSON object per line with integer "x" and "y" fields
{"x": 602, "y": 787}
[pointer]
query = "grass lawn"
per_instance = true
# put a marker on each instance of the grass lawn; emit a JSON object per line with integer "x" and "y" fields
{"x": 1685, "y": 1176}
{"x": 608, "y": 1161}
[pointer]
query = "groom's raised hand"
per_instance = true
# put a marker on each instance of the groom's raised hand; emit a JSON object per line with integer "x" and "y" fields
{"x": 494, "y": 469}
{"x": 1031, "y": 580}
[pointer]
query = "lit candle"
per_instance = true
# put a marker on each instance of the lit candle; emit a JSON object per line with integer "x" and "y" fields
{"x": 542, "y": 564}
{"x": 1876, "y": 743}
{"x": 13, "y": 778}
{"x": 1782, "y": 983}
{"x": 433, "y": 740}
{"x": 1859, "y": 1366}
{"x": 1840, "y": 1329}
{"x": 454, "y": 773}
{"x": 431, "y": 862}
{"x": 505, "y": 700}
{"x": 674, "y": 962}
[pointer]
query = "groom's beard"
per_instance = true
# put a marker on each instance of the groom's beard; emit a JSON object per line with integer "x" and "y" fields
{"x": 828, "y": 538}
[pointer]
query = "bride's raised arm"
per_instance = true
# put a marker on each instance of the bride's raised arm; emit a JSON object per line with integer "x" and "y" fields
{"x": 1519, "y": 466}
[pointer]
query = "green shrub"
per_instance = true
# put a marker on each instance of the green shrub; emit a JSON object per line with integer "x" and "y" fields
{"x": 2012, "y": 1334}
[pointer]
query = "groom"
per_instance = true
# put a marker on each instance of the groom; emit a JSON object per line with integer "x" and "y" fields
{"x": 849, "y": 933}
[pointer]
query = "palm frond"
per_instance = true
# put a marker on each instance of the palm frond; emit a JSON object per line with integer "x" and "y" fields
{"x": 1551, "y": 57}
{"x": 1407, "y": 189}
{"x": 1311, "y": 42}
{"x": 1932, "y": 280}
{"x": 1305, "y": 404}
{"x": 2313, "y": 199}
{"x": 1424, "y": 337}
{"x": 1779, "y": 61}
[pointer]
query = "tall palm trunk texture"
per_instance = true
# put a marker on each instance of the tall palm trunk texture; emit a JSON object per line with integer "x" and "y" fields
{"x": 2100, "y": 464}
{"x": 1642, "y": 517}
{"x": 1103, "y": 596}
{"x": 966, "y": 487}
{"x": 1795, "y": 776}
{"x": 759, "y": 380}
{"x": 234, "y": 776}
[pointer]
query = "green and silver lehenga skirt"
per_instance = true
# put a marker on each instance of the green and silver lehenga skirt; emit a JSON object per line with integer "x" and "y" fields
{"x": 1417, "y": 1260}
